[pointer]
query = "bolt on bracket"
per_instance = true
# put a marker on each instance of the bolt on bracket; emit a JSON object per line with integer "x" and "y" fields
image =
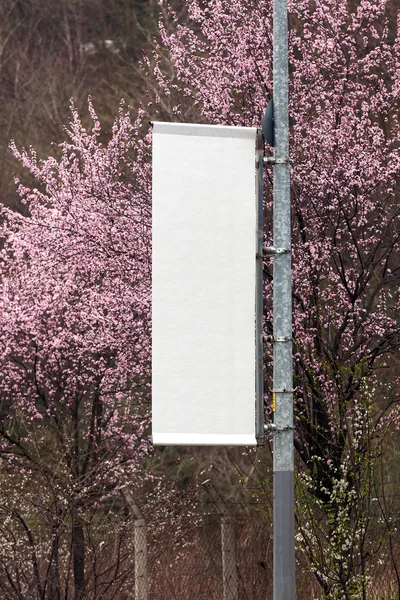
{"x": 272, "y": 338}
{"x": 271, "y": 427}
{"x": 271, "y": 160}
{"x": 271, "y": 250}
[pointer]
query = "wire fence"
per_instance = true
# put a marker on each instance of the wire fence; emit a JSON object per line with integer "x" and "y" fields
{"x": 225, "y": 559}
{"x": 224, "y": 553}
{"x": 229, "y": 556}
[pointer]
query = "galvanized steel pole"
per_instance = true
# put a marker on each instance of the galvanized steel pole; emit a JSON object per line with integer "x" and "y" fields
{"x": 283, "y": 461}
{"x": 260, "y": 416}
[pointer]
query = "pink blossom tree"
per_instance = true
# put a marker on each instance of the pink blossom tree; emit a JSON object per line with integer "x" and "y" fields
{"x": 345, "y": 167}
{"x": 74, "y": 356}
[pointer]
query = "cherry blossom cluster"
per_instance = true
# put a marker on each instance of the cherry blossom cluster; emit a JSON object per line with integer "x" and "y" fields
{"x": 75, "y": 309}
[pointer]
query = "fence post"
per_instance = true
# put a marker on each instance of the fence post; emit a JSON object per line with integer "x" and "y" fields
{"x": 141, "y": 578}
{"x": 228, "y": 546}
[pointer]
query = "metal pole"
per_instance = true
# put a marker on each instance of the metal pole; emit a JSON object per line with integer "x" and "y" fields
{"x": 259, "y": 291}
{"x": 283, "y": 461}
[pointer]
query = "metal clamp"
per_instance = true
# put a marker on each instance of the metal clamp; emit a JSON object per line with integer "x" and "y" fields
{"x": 271, "y": 250}
{"x": 275, "y": 429}
{"x": 271, "y": 160}
{"x": 272, "y": 338}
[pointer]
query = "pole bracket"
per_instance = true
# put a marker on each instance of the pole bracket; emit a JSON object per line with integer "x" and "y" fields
{"x": 271, "y": 250}
{"x": 271, "y": 427}
{"x": 271, "y": 160}
{"x": 278, "y": 338}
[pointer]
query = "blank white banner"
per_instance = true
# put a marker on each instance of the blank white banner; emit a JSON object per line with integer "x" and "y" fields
{"x": 203, "y": 314}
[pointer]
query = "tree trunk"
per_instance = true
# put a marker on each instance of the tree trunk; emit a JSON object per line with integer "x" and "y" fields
{"x": 78, "y": 550}
{"x": 54, "y": 592}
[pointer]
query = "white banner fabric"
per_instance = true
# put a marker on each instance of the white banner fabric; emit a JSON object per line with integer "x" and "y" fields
{"x": 203, "y": 301}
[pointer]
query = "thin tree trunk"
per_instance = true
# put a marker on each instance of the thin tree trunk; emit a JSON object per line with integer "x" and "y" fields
{"x": 78, "y": 550}
{"x": 54, "y": 592}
